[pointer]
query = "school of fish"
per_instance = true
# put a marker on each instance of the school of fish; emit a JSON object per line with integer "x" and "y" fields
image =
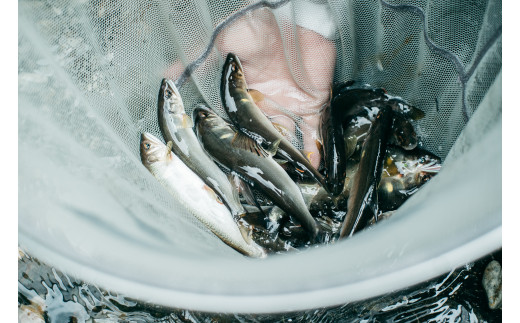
{"x": 253, "y": 189}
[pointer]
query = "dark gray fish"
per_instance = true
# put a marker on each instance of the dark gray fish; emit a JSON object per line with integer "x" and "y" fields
{"x": 403, "y": 133}
{"x": 245, "y": 115}
{"x": 261, "y": 170}
{"x": 346, "y": 120}
{"x": 346, "y": 103}
{"x": 355, "y": 133}
{"x": 177, "y": 127}
{"x": 363, "y": 195}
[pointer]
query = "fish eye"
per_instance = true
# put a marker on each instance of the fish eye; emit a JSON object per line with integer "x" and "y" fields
{"x": 147, "y": 146}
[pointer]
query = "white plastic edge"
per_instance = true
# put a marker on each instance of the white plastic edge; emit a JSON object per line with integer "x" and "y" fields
{"x": 273, "y": 303}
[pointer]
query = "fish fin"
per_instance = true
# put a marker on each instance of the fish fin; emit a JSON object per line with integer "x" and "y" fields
{"x": 273, "y": 147}
{"x": 350, "y": 145}
{"x": 248, "y": 195}
{"x": 281, "y": 129}
{"x": 242, "y": 141}
{"x": 319, "y": 145}
{"x": 256, "y": 95}
{"x": 280, "y": 161}
{"x": 416, "y": 114}
{"x": 236, "y": 182}
{"x": 289, "y": 135}
{"x": 246, "y": 230}
{"x": 169, "y": 146}
{"x": 186, "y": 121}
{"x": 242, "y": 187}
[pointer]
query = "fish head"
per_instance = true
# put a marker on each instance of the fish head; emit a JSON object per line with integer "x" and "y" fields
{"x": 170, "y": 98}
{"x": 417, "y": 170}
{"x": 404, "y": 134}
{"x": 152, "y": 149}
{"x": 233, "y": 73}
{"x": 206, "y": 118}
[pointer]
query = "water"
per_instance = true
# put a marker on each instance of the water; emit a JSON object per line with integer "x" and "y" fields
{"x": 45, "y": 294}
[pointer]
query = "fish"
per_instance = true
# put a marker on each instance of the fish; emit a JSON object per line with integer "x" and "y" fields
{"x": 352, "y": 107}
{"x": 217, "y": 137}
{"x": 403, "y": 133}
{"x": 189, "y": 189}
{"x": 363, "y": 195}
{"x": 404, "y": 172}
{"x": 246, "y": 116}
{"x": 355, "y": 132}
{"x": 402, "y": 107}
{"x": 343, "y": 106}
{"x": 176, "y": 126}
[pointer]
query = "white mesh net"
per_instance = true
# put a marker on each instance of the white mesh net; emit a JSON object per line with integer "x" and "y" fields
{"x": 89, "y": 74}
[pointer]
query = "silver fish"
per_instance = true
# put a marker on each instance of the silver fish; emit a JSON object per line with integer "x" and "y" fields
{"x": 247, "y": 117}
{"x": 217, "y": 137}
{"x": 201, "y": 201}
{"x": 177, "y": 127}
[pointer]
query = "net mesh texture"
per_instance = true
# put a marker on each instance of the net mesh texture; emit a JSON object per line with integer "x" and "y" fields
{"x": 90, "y": 71}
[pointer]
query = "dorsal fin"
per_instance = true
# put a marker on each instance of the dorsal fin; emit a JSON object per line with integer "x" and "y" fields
{"x": 416, "y": 113}
{"x": 273, "y": 147}
{"x": 242, "y": 141}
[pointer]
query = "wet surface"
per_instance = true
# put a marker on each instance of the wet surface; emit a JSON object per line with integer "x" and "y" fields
{"x": 46, "y": 294}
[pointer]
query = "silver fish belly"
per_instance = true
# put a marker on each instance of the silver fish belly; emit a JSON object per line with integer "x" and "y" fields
{"x": 197, "y": 197}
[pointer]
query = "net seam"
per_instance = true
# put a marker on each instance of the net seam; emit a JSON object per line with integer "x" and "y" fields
{"x": 463, "y": 76}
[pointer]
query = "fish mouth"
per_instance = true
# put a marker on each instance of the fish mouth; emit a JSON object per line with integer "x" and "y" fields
{"x": 150, "y": 144}
{"x": 170, "y": 95}
{"x": 146, "y": 136}
{"x": 233, "y": 63}
{"x": 168, "y": 89}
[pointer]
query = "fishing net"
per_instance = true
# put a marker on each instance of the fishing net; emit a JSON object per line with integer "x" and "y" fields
{"x": 89, "y": 75}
